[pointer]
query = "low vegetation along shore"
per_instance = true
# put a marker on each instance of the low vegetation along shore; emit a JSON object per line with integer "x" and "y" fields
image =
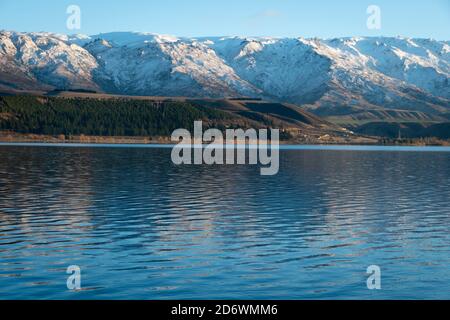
{"x": 143, "y": 121}
{"x": 13, "y": 137}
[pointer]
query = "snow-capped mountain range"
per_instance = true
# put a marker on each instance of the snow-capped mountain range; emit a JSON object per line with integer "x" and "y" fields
{"x": 323, "y": 75}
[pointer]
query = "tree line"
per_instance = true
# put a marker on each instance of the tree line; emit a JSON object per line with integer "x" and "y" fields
{"x": 101, "y": 117}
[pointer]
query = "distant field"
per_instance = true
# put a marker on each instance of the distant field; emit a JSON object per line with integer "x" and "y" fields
{"x": 90, "y": 114}
{"x": 75, "y": 114}
{"x": 405, "y": 130}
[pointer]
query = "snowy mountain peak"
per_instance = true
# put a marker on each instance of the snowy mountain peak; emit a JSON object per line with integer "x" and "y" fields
{"x": 388, "y": 72}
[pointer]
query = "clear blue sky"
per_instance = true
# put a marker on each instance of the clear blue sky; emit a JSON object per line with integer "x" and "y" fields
{"x": 279, "y": 18}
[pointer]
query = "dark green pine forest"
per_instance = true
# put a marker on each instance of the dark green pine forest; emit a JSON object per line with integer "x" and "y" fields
{"x": 101, "y": 117}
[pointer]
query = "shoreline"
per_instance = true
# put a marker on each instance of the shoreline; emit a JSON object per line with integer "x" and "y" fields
{"x": 304, "y": 147}
{"x": 19, "y": 138}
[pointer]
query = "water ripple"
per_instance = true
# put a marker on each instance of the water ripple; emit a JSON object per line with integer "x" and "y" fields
{"x": 141, "y": 228}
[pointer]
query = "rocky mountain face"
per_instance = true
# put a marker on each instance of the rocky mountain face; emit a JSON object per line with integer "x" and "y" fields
{"x": 330, "y": 77}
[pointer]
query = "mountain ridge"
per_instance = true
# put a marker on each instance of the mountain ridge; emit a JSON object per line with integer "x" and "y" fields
{"x": 326, "y": 77}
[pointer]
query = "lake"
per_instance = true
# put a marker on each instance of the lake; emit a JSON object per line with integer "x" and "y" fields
{"x": 140, "y": 227}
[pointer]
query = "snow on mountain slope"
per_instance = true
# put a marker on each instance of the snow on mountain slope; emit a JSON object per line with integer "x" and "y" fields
{"x": 147, "y": 64}
{"x": 47, "y": 59}
{"x": 337, "y": 72}
{"x": 401, "y": 73}
{"x": 421, "y": 62}
{"x": 287, "y": 68}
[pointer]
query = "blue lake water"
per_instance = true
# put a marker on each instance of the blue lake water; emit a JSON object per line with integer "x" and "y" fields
{"x": 140, "y": 227}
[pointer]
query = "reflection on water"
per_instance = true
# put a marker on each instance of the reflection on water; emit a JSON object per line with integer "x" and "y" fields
{"x": 142, "y": 228}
